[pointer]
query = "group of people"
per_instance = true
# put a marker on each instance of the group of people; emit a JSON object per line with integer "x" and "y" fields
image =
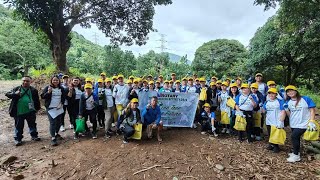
{"x": 116, "y": 106}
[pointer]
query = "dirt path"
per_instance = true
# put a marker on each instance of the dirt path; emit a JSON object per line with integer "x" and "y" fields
{"x": 184, "y": 154}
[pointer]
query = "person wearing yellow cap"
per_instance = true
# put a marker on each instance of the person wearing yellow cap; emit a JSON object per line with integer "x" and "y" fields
{"x": 171, "y": 83}
{"x": 88, "y": 81}
{"x": 157, "y": 86}
{"x": 218, "y": 84}
{"x": 120, "y": 93}
{"x": 256, "y": 112}
{"x": 301, "y": 112}
{"x": 109, "y": 108}
{"x": 184, "y": 85}
{"x": 275, "y": 115}
{"x": 177, "y": 88}
{"x": 194, "y": 76}
{"x": 129, "y": 83}
{"x": 129, "y": 117}
{"x": 149, "y": 78}
{"x": 214, "y": 97}
{"x": 88, "y": 108}
{"x": 262, "y": 87}
{"x": 100, "y": 91}
{"x": 191, "y": 87}
{"x": 214, "y": 79}
{"x": 143, "y": 95}
{"x": 152, "y": 91}
{"x": 233, "y": 93}
{"x": 198, "y": 82}
{"x": 245, "y": 103}
{"x": 103, "y": 76}
{"x": 160, "y": 79}
{"x": 280, "y": 94}
{"x": 239, "y": 82}
{"x": 134, "y": 91}
{"x": 165, "y": 87}
{"x": 131, "y": 78}
{"x": 173, "y": 79}
{"x": 225, "y": 110}
{"x": 114, "y": 80}
{"x": 204, "y": 97}
{"x": 208, "y": 120}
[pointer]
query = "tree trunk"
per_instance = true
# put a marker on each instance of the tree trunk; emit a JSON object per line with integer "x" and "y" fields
{"x": 59, "y": 47}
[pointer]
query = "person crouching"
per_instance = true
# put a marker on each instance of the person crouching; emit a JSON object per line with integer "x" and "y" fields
{"x": 208, "y": 120}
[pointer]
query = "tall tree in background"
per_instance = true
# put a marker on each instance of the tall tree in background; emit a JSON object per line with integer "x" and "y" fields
{"x": 124, "y": 21}
{"x": 219, "y": 57}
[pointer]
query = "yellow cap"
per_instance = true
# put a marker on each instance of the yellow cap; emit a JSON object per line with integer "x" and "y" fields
{"x": 166, "y": 81}
{"x": 233, "y": 85}
{"x": 228, "y": 79}
{"x": 178, "y": 81}
{"x": 129, "y": 81}
{"x": 102, "y": 74}
{"x": 88, "y": 80}
{"x": 212, "y": 84}
{"x": 144, "y": 80}
{"x": 190, "y": 79}
{"x": 258, "y": 74}
{"x": 120, "y": 76}
{"x": 158, "y": 82}
{"x": 239, "y": 78}
{"x": 135, "y": 80}
{"x": 291, "y": 87}
{"x": 202, "y": 80}
{"x": 206, "y": 105}
{"x": 131, "y": 77}
{"x": 173, "y": 74}
{"x": 219, "y": 82}
{"x": 114, "y": 77}
{"x": 254, "y": 85}
{"x": 100, "y": 80}
{"x": 272, "y": 90}
{"x": 65, "y": 76}
{"x": 184, "y": 79}
{"x": 160, "y": 76}
{"x": 271, "y": 83}
{"x": 196, "y": 79}
{"x": 151, "y": 82}
{"x": 107, "y": 80}
{"x": 244, "y": 86}
{"x": 213, "y": 77}
{"x": 139, "y": 79}
{"x": 88, "y": 86}
{"x": 170, "y": 81}
{"x": 224, "y": 83}
{"x": 150, "y": 75}
{"x": 134, "y": 100}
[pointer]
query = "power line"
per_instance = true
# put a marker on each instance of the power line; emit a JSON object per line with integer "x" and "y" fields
{"x": 163, "y": 43}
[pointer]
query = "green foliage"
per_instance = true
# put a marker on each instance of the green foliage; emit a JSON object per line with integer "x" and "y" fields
{"x": 219, "y": 57}
{"x": 314, "y": 96}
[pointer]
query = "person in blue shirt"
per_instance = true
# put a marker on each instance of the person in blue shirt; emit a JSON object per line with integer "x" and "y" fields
{"x": 152, "y": 118}
{"x": 245, "y": 103}
{"x": 208, "y": 119}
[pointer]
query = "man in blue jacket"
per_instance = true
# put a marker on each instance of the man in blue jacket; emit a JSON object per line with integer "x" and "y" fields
{"x": 152, "y": 118}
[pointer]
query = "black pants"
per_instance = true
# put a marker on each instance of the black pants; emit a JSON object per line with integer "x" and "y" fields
{"x": 269, "y": 134}
{"x": 92, "y": 115}
{"x": 250, "y": 126}
{"x": 295, "y": 138}
{"x": 73, "y": 110}
{"x": 128, "y": 131}
{"x": 19, "y": 125}
{"x": 101, "y": 116}
{"x": 66, "y": 108}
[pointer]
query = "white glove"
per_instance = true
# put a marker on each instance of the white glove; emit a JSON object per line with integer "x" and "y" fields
{"x": 213, "y": 129}
{"x": 121, "y": 126}
{"x": 312, "y": 126}
{"x": 239, "y": 113}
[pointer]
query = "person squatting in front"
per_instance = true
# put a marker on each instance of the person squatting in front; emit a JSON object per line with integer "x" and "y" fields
{"x": 208, "y": 121}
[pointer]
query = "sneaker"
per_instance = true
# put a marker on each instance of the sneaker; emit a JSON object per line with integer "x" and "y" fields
{"x": 270, "y": 147}
{"x": 54, "y": 142}
{"x": 294, "y": 158}
{"x": 94, "y": 136}
{"x": 62, "y": 129}
{"x": 194, "y": 126}
{"x": 258, "y": 138}
{"x": 215, "y": 134}
{"x": 18, "y": 143}
{"x": 71, "y": 126}
{"x": 125, "y": 141}
{"x": 203, "y": 133}
{"x": 249, "y": 141}
{"x": 228, "y": 131}
{"x": 291, "y": 154}
{"x": 36, "y": 139}
{"x": 75, "y": 137}
{"x": 59, "y": 137}
{"x": 224, "y": 130}
{"x": 113, "y": 125}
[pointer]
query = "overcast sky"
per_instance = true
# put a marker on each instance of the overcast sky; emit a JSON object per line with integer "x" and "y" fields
{"x": 187, "y": 24}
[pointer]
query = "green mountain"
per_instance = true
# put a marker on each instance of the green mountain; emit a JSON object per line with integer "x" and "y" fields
{"x": 176, "y": 58}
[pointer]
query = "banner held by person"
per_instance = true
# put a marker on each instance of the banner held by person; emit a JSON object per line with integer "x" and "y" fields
{"x": 178, "y": 109}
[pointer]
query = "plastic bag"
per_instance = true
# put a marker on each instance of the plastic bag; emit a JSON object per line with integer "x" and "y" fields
{"x": 277, "y": 136}
{"x": 137, "y": 131}
{"x": 240, "y": 124}
{"x": 312, "y": 134}
{"x": 225, "y": 118}
{"x": 80, "y": 125}
{"x": 257, "y": 119}
{"x": 231, "y": 103}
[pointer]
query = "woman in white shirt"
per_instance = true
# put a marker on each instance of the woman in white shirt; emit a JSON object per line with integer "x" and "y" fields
{"x": 300, "y": 109}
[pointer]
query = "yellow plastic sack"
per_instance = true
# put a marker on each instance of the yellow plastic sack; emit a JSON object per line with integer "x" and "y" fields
{"x": 240, "y": 124}
{"x": 231, "y": 103}
{"x": 137, "y": 131}
{"x": 257, "y": 119}
{"x": 225, "y": 118}
{"x": 312, "y": 135}
{"x": 203, "y": 94}
{"x": 277, "y": 136}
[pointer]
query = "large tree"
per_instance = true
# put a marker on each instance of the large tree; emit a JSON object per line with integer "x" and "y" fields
{"x": 124, "y": 21}
{"x": 219, "y": 56}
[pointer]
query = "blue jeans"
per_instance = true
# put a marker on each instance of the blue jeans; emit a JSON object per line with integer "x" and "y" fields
{"x": 19, "y": 125}
{"x": 295, "y": 138}
{"x": 128, "y": 131}
{"x": 54, "y": 124}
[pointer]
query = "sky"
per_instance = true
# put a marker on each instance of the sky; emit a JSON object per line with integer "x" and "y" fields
{"x": 187, "y": 24}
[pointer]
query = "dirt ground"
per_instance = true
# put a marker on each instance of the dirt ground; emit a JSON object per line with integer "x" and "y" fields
{"x": 184, "y": 154}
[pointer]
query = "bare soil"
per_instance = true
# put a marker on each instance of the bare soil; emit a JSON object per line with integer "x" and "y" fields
{"x": 184, "y": 154}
